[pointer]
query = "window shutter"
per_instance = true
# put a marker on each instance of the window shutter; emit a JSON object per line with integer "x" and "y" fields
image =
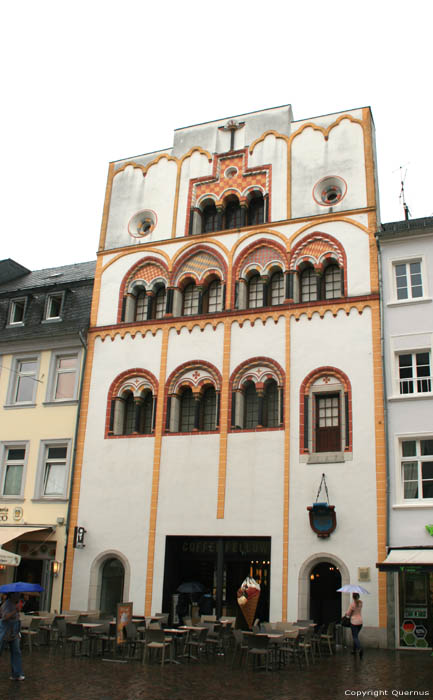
{"x": 346, "y": 414}
{"x": 233, "y": 420}
{"x": 306, "y": 422}
{"x": 155, "y": 403}
{"x": 122, "y": 318}
{"x": 167, "y": 418}
{"x": 217, "y": 421}
{"x": 111, "y": 425}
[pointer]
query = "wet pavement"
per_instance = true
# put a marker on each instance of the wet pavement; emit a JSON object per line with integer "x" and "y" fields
{"x": 52, "y": 676}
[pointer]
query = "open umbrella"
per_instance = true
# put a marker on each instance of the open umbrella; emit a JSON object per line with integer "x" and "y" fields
{"x": 20, "y": 587}
{"x": 352, "y": 588}
{"x": 191, "y": 587}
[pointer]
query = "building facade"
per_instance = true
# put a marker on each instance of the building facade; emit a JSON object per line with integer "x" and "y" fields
{"x": 44, "y": 316}
{"x": 234, "y": 374}
{"x": 407, "y": 273}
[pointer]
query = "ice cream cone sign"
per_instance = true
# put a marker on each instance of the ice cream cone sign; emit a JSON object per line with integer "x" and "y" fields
{"x": 248, "y": 597}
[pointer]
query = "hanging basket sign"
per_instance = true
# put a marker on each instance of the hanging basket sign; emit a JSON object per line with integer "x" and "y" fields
{"x": 323, "y": 519}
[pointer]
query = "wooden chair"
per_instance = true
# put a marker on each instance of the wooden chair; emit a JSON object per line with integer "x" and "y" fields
{"x": 258, "y": 647}
{"x": 155, "y": 640}
{"x": 196, "y": 642}
{"x": 240, "y": 646}
{"x": 75, "y": 637}
{"x": 306, "y": 645}
{"x": 290, "y": 649}
{"x": 32, "y": 630}
{"x": 327, "y": 639}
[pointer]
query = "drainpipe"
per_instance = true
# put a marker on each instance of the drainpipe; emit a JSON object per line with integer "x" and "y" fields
{"x": 74, "y": 455}
{"x": 385, "y": 396}
{"x": 390, "y": 631}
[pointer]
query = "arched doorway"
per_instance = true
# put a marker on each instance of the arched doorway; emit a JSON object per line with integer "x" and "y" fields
{"x": 325, "y": 601}
{"x": 112, "y": 579}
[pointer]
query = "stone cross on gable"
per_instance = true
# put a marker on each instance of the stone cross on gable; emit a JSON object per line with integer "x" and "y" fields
{"x": 232, "y": 126}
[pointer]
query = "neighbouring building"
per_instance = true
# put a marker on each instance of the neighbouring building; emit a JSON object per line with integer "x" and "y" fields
{"x": 232, "y": 411}
{"x": 407, "y": 273}
{"x": 44, "y": 316}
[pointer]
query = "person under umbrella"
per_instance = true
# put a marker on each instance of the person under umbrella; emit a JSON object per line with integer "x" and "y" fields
{"x": 354, "y": 612}
{"x": 10, "y": 634}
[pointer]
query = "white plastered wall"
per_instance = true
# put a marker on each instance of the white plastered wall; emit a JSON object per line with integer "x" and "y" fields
{"x": 314, "y": 158}
{"x": 132, "y": 192}
{"x": 273, "y": 151}
{"x": 110, "y": 515}
{"x": 352, "y": 483}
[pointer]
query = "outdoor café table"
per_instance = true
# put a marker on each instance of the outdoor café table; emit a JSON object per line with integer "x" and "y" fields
{"x": 88, "y": 628}
{"x": 178, "y": 638}
{"x": 275, "y": 641}
{"x": 190, "y": 628}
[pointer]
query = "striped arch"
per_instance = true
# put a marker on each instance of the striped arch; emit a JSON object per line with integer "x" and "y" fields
{"x": 147, "y": 271}
{"x": 318, "y": 248}
{"x": 258, "y": 370}
{"x": 261, "y": 254}
{"x": 198, "y": 262}
{"x": 195, "y": 374}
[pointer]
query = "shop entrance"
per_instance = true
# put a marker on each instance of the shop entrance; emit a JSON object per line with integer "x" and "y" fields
{"x": 325, "y": 601}
{"x": 415, "y": 607}
{"x": 219, "y": 564}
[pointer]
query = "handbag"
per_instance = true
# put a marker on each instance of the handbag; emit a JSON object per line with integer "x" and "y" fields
{"x": 345, "y": 621}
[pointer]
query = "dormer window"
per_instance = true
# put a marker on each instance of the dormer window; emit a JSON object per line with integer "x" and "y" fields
{"x": 16, "y": 311}
{"x": 53, "y": 309}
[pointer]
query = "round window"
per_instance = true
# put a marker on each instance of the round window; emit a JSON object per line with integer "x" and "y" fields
{"x": 231, "y": 172}
{"x": 142, "y": 223}
{"x": 329, "y": 191}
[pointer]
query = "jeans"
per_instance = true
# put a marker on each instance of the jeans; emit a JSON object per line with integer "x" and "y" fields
{"x": 14, "y": 647}
{"x": 355, "y": 632}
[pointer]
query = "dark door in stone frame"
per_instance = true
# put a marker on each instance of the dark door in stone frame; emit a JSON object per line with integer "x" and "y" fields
{"x": 328, "y": 423}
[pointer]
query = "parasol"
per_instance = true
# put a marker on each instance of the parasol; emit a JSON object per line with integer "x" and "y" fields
{"x": 352, "y": 588}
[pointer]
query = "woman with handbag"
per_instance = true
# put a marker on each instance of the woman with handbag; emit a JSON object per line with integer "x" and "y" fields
{"x": 354, "y": 613}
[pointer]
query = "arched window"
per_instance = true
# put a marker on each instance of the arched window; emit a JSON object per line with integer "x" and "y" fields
{"x": 159, "y": 302}
{"x": 213, "y": 297}
{"x": 132, "y": 407}
{"x": 271, "y": 405}
{"x": 208, "y": 409}
{"x": 256, "y": 209}
{"x": 326, "y": 422}
{"x": 210, "y": 218}
{"x": 145, "y": 414}
{"x": 141, "y": 302}
{"x": 277, "y": 288}
{"x": 129, "y": 415}
{"x": 332, "y": 282}
{"x": 309, "y": 285}
{"x": 232, "y": 214}
{"x": 191, "y": 300}
{"x": 187, "y": 411}
{"x": 112, "y": 579}
{"x": 255, "y": 292}
{"x": 251, "y": 406}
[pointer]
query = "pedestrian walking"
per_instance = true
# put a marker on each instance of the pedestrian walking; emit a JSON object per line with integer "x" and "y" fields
{"x": 354, "y": 612}
{"x": 10, "y": 634}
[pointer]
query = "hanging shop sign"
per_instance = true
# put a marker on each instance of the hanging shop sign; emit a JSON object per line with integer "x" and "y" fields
{"x": 323, "y": 519}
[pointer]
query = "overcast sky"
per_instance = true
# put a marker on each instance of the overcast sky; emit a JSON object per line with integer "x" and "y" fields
{"x": 85, "y": 83}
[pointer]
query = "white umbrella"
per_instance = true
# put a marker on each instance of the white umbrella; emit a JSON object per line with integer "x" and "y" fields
{"x": 9, "y": 558}
{"x": 352, "y": 588}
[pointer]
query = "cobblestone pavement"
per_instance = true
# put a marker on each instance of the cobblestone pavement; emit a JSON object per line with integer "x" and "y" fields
{"x": 53, "y": 676}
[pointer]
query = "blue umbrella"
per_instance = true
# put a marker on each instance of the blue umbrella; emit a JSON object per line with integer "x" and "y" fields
{"x": 20, "y": 587}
